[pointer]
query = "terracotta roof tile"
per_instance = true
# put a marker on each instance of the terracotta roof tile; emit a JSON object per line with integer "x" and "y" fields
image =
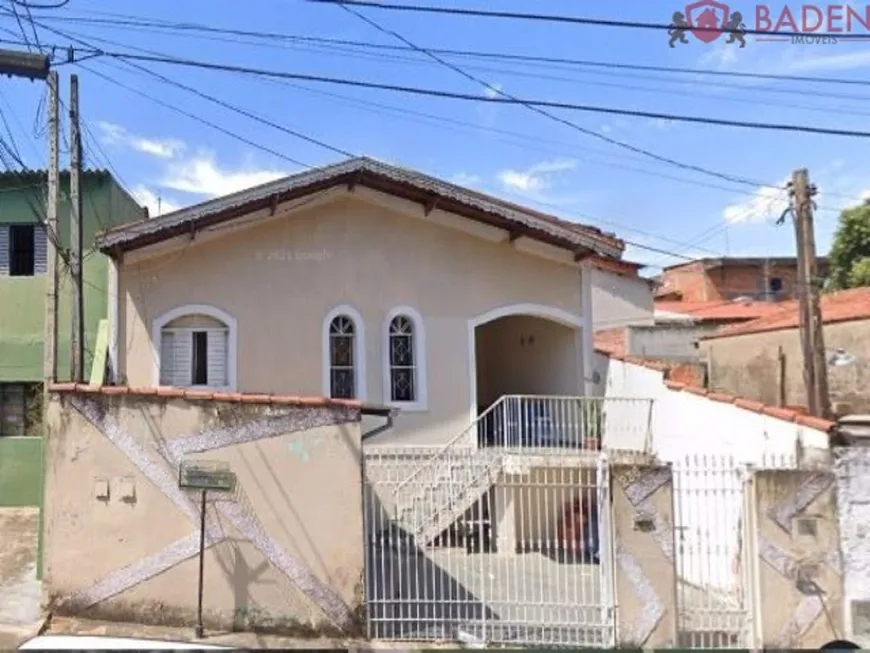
{"x": 200, "y": 395}
{"x": 721, "y": 311}
{"x": 610, "y": 341}
{"x": 836, "y": 307}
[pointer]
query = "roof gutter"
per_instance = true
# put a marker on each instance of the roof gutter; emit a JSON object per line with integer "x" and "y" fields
{"x": 378, "y": 411}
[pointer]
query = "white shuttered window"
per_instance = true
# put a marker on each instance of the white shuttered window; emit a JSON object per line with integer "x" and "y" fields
{"x": 194, "y": 352}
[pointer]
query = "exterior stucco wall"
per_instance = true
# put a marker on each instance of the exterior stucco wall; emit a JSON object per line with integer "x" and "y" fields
{"x": 283, "y": 552}
{"x": 686, "y": 423}
{"x": 852, "y": 470}
{"x": 748, "y": 364}
{"x": 799, "y": 566}
{"x": 22, "y": 319}
{"x": 677, "y": 343}
{"x": 643, "y": 525}
{"x": 526, "y": 355}
{"x": 281, "y": 278}
{"x": 619, "y": 300}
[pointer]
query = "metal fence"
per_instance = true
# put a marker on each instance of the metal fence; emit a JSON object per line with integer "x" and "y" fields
{"x": 713, "y": 546}
{"x": 525, "y": 557}
{"x": 554, "y": 588}
{"x": 524, "y": 421}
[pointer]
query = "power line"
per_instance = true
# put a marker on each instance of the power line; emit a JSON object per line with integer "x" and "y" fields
{"x": 135, "y": 21}
{"x": 657, "y": 250}
{"x": 509, "y": 99}
{"x": 627, "y": 242}
{"x": 193, "y": 116}
{"x": 577, "y": 20}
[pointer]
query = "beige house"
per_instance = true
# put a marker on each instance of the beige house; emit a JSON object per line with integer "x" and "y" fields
{"x": 366, "y": 281}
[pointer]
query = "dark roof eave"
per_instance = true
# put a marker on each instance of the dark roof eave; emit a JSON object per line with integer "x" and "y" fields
{"x": 114, "y": 242}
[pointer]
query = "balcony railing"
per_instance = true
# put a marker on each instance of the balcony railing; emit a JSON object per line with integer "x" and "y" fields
{"x": 566, "y": 422}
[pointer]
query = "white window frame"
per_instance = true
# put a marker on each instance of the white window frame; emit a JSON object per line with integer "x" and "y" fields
{"x": 359, "y": 351}
{"x": 421, "y": 404}
{"x": 197, "y": 309}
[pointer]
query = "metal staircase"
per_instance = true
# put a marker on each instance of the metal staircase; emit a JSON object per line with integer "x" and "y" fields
{"x": 446, "y": 485}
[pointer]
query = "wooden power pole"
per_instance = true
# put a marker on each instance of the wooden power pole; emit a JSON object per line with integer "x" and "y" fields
{"x": 49, "y": 369}
{"x": 77, "y": 336}
{"x": 811, "y": 326}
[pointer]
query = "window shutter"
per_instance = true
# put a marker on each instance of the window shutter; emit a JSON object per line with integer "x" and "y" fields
{"x": 40, "y": 253}
{"x": 167, "y": 357}
{"x": 182, "y": 358}
{"x": 175, "y": 358}
{"x": 218, "y": 353}
{"x": 4, "y": 249}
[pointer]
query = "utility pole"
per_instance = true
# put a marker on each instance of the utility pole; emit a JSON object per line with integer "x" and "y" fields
{"x": 812, "y": 332}
{"x": 766, "y": 274}
{"x": 49, "y": 361}
{"x": 77, "y": 336}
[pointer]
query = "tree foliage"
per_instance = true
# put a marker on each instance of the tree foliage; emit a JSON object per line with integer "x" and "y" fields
{"x": 850, "y": 253}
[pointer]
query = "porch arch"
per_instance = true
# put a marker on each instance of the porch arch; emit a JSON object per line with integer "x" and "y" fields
{"x": 543, "y": 311}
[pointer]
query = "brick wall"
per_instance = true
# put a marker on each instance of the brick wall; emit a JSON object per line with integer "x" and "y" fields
{"x": 697, "y": 284}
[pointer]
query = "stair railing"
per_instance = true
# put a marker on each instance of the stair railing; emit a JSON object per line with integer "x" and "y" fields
{"x": 467, "y": 439}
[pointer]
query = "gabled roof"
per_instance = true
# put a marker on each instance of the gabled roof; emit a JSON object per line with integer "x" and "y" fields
{"x": 843, "y": 306}
{"x": 429, "y": 192}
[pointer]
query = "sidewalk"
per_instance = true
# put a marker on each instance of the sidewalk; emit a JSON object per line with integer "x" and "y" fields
{"x": 72, "y": 626}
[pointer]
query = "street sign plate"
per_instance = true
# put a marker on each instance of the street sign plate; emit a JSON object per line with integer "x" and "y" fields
{"x": 214, "y": 476}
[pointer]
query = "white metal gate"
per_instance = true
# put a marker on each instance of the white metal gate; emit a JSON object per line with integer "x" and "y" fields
{"x": 526, "y": 561}
{"x": 709, "y": 533}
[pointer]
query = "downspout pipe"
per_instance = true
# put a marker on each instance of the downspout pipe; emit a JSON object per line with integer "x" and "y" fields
{"x": 378, "y": 411}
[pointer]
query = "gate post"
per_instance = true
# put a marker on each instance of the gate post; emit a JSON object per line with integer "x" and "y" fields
{"x": 644, "y": 554}
{"x": 750, "y": 567}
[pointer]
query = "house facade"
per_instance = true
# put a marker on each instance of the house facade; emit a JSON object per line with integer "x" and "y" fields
{"x": 23, "y": 281}
{"x": 712, "y": 279}
{"x": 359, "y": 281}
{"x": 763, "y": 358}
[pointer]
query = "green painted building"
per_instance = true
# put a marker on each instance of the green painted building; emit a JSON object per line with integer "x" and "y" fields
{"x": 23, "y": 283}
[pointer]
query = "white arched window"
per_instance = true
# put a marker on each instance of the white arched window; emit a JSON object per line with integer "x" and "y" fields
{"x": 196, "y": 348}
{"x": 405, "y": 360}
{"x": 344, "y": 372}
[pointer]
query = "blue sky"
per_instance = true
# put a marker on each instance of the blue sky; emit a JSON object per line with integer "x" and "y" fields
{"x": 505, "y": 150}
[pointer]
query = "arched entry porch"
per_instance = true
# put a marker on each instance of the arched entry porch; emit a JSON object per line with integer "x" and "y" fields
{"x": 526, "y": 376}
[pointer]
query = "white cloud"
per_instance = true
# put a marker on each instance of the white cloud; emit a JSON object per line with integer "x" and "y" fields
{"x": 493, "y": 91}
{"x": 720, "y": 56}
{"x": 465, "y": 179}
{"x": 202, "y": 176}
{"x": 765, "y": 203}
{"x": 605, "y": 129}
{"x": 819, "y": 61}
{"x": 536, "y": 178}
{"x": 156, "y": 205}
{"x": 163, "y": 148}
{"x": 659, "y": 123}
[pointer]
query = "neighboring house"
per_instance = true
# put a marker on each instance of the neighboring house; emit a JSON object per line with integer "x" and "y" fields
{"x": 360, "y": 280}
{"x": 23, "y": 281}
{"x": 620, "y": 296}
{"x": 716, "y": 279}
{"x": 763, "y": 359}
{"x": 676, "y": 327}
